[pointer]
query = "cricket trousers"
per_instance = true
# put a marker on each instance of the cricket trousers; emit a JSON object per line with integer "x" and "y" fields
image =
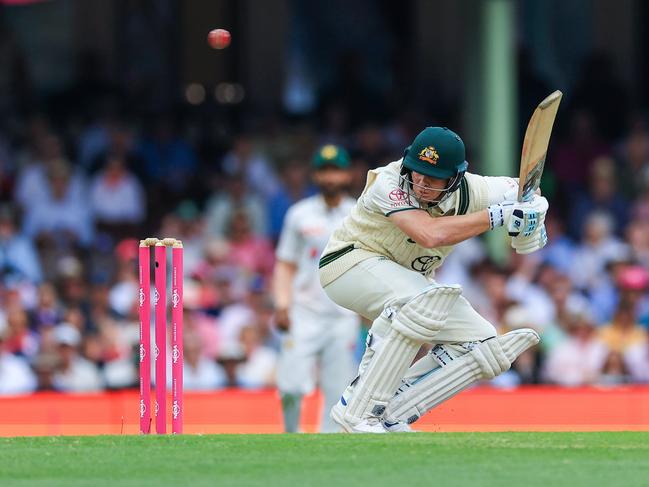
{"x": 318, "y": 350}
{"x": 371, "y": 285}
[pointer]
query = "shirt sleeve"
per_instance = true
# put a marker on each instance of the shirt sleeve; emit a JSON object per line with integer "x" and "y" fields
{"x": 290, "y": 240}
{"x": 501, "y": 188}
{"x": 385, "y": 196}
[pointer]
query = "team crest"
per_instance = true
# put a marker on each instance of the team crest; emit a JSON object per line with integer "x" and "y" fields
{"x": 429, "y": 154}
{"x": 329, "y": 152}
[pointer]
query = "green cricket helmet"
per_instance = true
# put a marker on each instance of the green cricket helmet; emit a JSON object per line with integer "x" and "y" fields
{"x": 437, "y": 152}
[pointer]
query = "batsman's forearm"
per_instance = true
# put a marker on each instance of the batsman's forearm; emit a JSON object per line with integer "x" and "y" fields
{"x": 283, "y": 276}
{"x": 452, "y": 230}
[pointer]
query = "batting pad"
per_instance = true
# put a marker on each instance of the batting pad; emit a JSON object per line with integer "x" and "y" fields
{"x": 487, "y": 360}
{"x": 412, "y": 325}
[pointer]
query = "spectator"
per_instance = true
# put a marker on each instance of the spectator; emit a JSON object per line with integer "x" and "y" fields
{"x": 15, "y": 375}
{"x": 18, "y": 258}
{"x": 602, "y": 196}
{"x": 530, "y": 285}
{"x": 614, "y": 371}
{"x": 254, "y": 166}
{"x": 19, "y": 339}
{"x": 33, "y": 187}
{"x": 597, "y": 247}
{"x": 117, "y": 198}
{"x": 48, "y": 311}
{"x": 636, "y": 358}
{"x": 235, "y": 197}
{"x": 74, "y": 373}
{"x": 573, "y": 157}
{"x": 579, "y": 359}
{"x": 624, "y": 331}
{"x": 62, "y": 218}
{"x": 200, "y": 373}
{"x": 186, "y": 223}
{"x": 119, "y": 373}
{"x": 168, "y": 160}
{"x": 235, "y": 314}
{"x": 122, "y": 297}
{"x": 258, "y": 370}
{"x": 635, "y": 156}
{"x": 293, "y": 187}
{"x": 560, "y": 250}
{"x": 250, "y": 253}
{"x": 637, "y": 235}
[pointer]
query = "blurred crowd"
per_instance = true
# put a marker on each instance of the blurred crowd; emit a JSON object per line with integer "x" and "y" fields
{"x": 77, "y": 192}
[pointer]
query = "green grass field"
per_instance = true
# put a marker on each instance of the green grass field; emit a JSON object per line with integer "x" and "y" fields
{"x": 432, "y": 459}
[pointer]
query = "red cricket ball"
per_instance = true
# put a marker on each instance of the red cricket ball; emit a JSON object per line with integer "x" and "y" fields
{"x": 219, "y": 38}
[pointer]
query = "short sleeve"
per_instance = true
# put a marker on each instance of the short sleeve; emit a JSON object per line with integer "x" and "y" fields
{"x": 385, "y": 196}
{"x": 501, "y": 188}
{"x": 290, "y": 239}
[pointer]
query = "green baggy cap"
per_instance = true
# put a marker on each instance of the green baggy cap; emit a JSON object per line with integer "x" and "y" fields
{"x": 331, "y": 155}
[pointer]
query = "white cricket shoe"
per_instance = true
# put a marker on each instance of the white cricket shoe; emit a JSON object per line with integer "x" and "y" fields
{"x": 337, "y": 413}
{"x": 397, "y": 427}
{"x": 369, "y": 425}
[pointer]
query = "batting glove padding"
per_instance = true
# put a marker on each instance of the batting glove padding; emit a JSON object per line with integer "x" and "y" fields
{"x": 526, "y": 245}
{"x": 527, "y": 216}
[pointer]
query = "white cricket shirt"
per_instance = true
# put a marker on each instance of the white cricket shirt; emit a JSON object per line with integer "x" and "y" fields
{"x": 305, "y": 233}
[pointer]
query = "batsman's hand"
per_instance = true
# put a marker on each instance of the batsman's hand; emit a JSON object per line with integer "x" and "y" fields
{"x": 527, "y": 216}
{"x": 282, "y": 319}
{"x": 536, "y": 241}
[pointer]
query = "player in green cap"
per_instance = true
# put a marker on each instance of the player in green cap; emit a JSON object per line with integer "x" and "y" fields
{"x": 380, "y": 263}
{"x": 319, "y": 337}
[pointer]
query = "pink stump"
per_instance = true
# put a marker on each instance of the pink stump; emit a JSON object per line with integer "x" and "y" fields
{"x": 145, "y": 339}
{"x": 160, "y": 304}
{"x": 177, "y": 339}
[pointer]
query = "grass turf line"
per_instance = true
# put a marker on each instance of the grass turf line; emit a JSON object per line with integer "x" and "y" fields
{"x": 446, "y": 459}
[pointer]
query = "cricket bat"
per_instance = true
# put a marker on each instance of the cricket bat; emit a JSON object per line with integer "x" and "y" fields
{"x": 535, "y": 145}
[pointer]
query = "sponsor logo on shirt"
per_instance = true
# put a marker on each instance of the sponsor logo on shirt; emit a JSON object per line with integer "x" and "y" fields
{"x": 424, "y": 264}
{"x": 398, "y": 195}
{"x": 399, "y": 198}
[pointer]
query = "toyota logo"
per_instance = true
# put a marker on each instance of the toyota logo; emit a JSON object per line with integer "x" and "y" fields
{"x": 397, "y": 195}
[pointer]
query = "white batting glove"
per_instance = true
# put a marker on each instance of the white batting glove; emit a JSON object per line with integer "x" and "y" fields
{"x": 500, "y": 213}
{"x": 527, "y": 216}
{"x": 536, "y": 241}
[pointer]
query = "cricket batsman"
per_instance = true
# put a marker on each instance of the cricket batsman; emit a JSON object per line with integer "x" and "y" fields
{"x": 380, "y": 262}
{"x": 320, "y": 336}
